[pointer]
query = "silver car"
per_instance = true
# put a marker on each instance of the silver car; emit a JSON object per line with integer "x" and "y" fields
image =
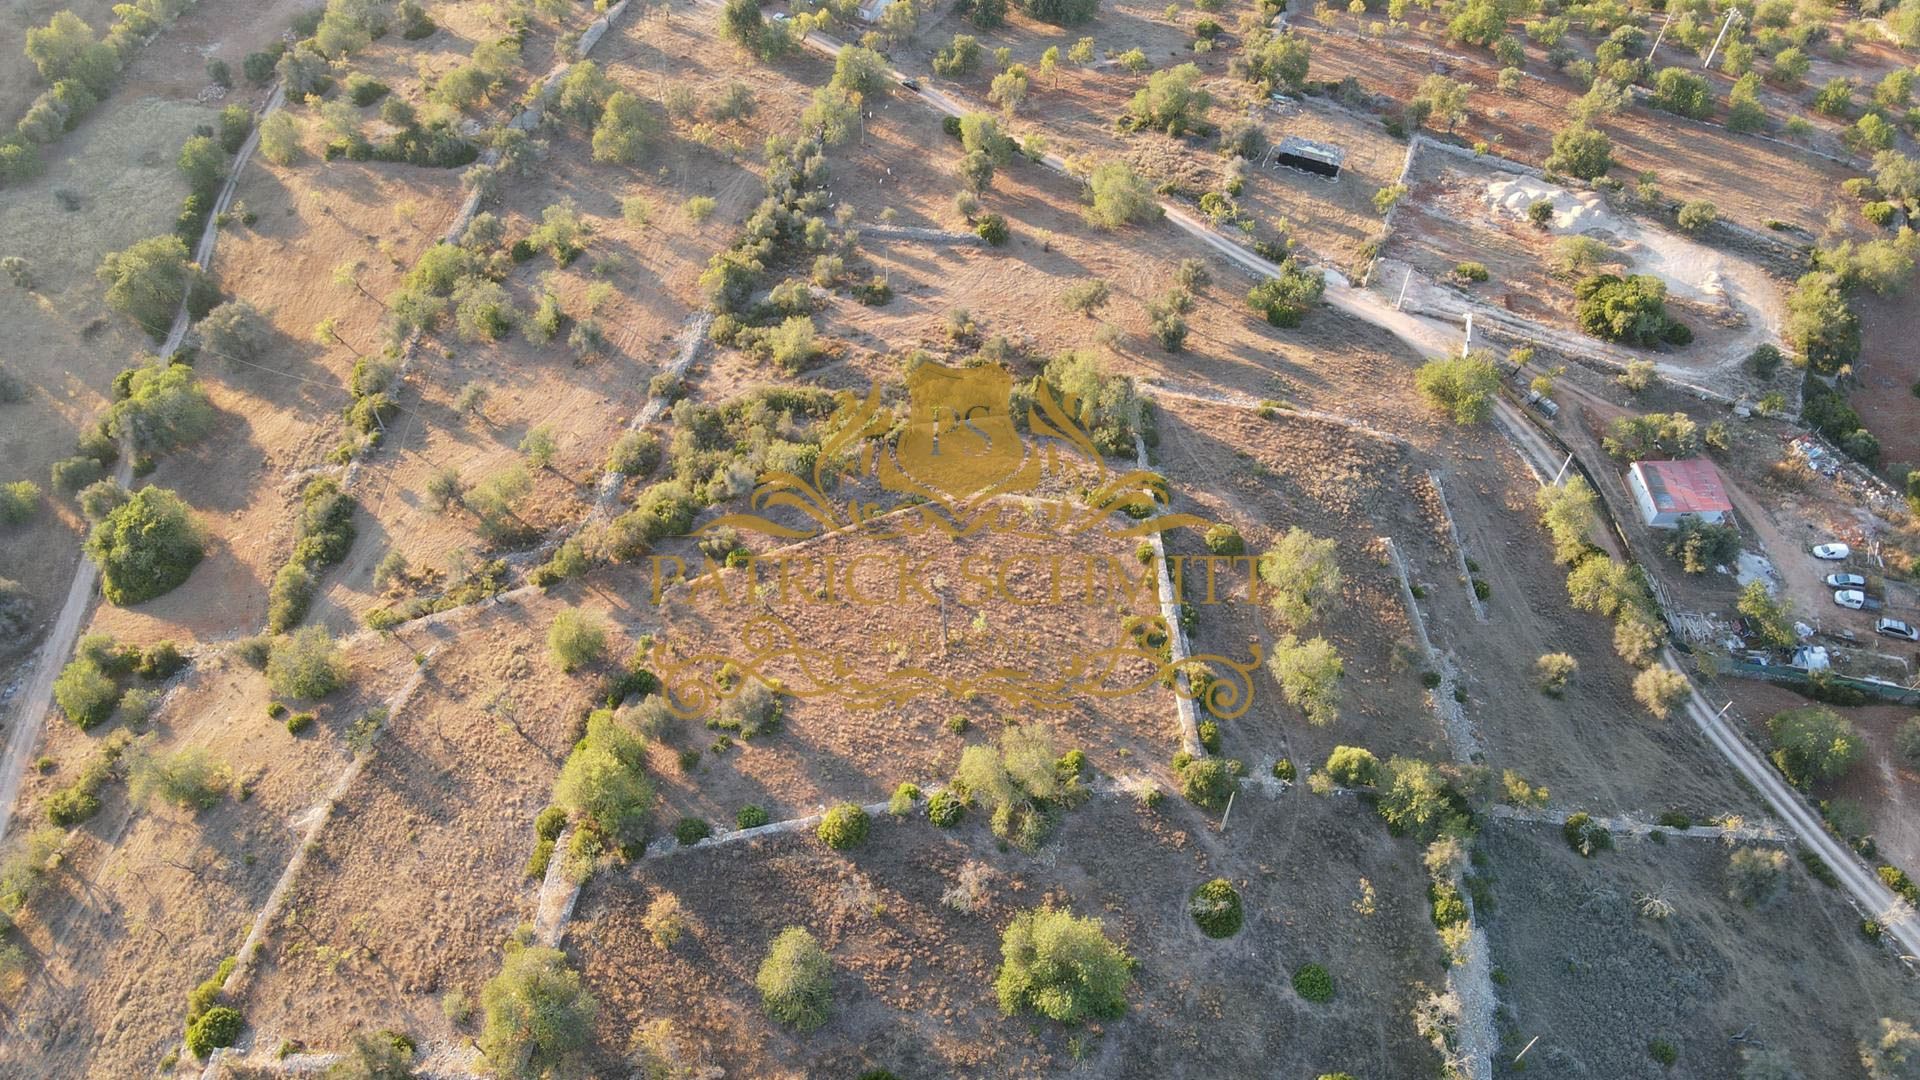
{"x": 1846, "y": 581}
{"x": 1896, "y": 628}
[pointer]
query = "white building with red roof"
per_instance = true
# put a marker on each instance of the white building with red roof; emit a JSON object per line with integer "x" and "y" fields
{"x": 1666, "y": 491}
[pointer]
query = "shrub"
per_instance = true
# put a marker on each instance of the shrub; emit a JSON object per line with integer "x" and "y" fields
{"x": 945, "y": 809}
{"x": 18, "y": 501}
{"x": 538, "y": 1013}
{"x": 148, "y": 280}
{"x": 1814, "y": 744}
{"x": 1553, "y": 670}
{"x": 1659, "y": 689}
{"x": 1313, "y": 983}
{"x": 1663, "y": 1052}
{"x": 1471, "y": 271}
{"x": 1697, "y": 215}
{"x": 1755, "y": 875}
{"x": 637, "y": 453}
{"x": 1353, "y": 766}
{"x": 796, "y": 980}
{"x": 306, "y": 664}
{"x": 1907, "y": 740}
{"x": 1120, "y": 196}
{"x": 1585, "y": 835}
{"x": 575, "y": 639}
{"x": 1206, "y": 782}
{"x": 993, "y": 229}
{"x": 299, "y": 722}
{"x": 1285, "y": 298}
{"x": 190, "y": 778}
{"x": 750, "y": 817}
{"x": 1581, "y": 151}
{"x": 85, "y": 693}
{"x": 665, "y": 919}
{"x": 1215, "y": 907}
{"x": 1309, "y": 674}
{"x": 1461, "y": 386}
{"x": 603, "y": 785}
{"x": 1628, "y": 309}
{"x": 145, "y": 547}
{"x": 1224, "y": 539}
{"x": 904, "y": 796}
{"x": 1061, "y": 967}
{"x": 844, "y": 827}
{"x": 691, "y": 830}
{"x": 217, "y": 1027}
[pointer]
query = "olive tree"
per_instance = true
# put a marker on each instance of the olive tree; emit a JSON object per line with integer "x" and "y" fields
{"x": 539, "y": 1015}
{"x": 146, "y": 546}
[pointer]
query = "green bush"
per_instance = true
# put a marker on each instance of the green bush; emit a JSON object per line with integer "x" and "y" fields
{"x": 750, "y": 817}
{"x": 306, "y": 664}
{"x": 1062, "y": 967}
{"x": 86, "y": 693}
{"x": 1206, "y": 782}
{"x": 1663, "y": 1052}
{"x": 18, "y": 501}
{"x": 691, "y": 830}
{"x": 549, "y": 823}
{"x": 845, "y": 826}
{"x": 796, "y": 980}
{"x": 576, "y": 639}
{"x": 1353, "y": 766}
{"x": 1313, "y": 983}
{"x": 1629, "y": 309}
{"x": 146, "y": 547}
{"x": 1215, "y": 907}
{"x": 1461, "y": 386}
{"x": 217, "y": 1027}
{"x": 1585, "y": 835}
{"x": 945, "y": 809}
{"x": 1224, "y": 539}
{"x": 299, "y": 722}
{"x": 538, "y": 1013}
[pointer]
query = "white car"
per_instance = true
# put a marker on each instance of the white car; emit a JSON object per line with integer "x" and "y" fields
{"x": 1846, "y": 581}
{"x": 1850, "y": 598}
{"x": 1832, "y": 552}
{"x": 1896, "y": 628}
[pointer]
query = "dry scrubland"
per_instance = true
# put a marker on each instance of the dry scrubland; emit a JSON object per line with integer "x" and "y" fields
{"x": 62, "y": 342}
{"x": 911, "y": 970}
{"x": 1578, "y": 962}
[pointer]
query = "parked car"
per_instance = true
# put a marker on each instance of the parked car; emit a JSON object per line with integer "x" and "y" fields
{"x": 1832, "y": 552}
{"x": 911, "y": 83}
{"x": 1850, "y": 598}
{"x": 1896, "y": 628}
{"x": 1846, "y": 581}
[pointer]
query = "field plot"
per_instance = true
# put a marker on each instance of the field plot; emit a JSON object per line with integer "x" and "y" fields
{"x": 1266, "y": 476}
{"x": 64, "y": 345}
{"x": 912, "y": 982}
{"x": 1692, "y": 161}
{"x": 1599, "y": 982}
{"x": 1459, "y": 213}
{"x": 421, "y": 873}
{"x": 1593, "y": 747}
{"x": 916, "y": 612}
{"x": 148, "y": 901}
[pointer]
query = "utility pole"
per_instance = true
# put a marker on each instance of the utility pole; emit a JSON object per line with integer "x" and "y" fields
{"x": 1228, "y": 812}
{"x": 1466, "y": 345}
{"x": 1732, "y": 14}
{"x": 1562, "y": 472}
{"x": 1657, "y": 38}
{"x": 1404, "y": 282}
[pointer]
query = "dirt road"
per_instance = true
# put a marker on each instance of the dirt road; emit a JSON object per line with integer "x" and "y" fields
{"x": 1866, "y": 887}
